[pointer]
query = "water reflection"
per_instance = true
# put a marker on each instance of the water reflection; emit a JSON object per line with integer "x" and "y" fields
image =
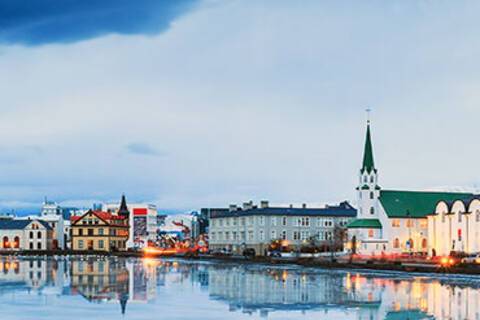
{"x": 246, "y": 289}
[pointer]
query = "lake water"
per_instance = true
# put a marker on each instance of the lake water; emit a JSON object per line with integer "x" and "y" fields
{"x": 94, "y": 288}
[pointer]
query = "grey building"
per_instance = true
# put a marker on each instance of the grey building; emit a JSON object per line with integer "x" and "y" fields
{"x": 256, "y": 227}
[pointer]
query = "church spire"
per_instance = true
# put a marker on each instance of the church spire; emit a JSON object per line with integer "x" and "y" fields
{"x": 123, "y": 210}
{"x": 368, "y": 163}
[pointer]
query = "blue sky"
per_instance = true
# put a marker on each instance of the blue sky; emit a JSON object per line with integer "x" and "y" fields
{"x": 204, "y": 103}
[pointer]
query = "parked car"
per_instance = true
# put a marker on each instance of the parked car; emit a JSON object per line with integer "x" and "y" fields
{"x": 472, "y": 259}
{"x": 249, "y": 252}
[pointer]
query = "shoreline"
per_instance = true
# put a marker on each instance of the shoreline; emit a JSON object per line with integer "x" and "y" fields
{"x": 408, "y": 267}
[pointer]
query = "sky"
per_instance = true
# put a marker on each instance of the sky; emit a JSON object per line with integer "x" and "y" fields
{"x": 203, "y": 103}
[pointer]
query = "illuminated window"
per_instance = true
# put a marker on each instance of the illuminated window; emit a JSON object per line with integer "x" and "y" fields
{"x": 396, "y": 243}
{"x": 423, "y": 223}
{"x": 424, "y": 243}
{"x": 370, "y": 233}
{"x": 409, "y": 223}
{"x": 396, "y": 223}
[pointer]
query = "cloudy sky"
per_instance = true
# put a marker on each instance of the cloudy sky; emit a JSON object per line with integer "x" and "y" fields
{"x": 194, "y": 103}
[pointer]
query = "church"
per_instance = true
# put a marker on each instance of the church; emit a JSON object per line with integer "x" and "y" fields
{"x": 394, "y": 222}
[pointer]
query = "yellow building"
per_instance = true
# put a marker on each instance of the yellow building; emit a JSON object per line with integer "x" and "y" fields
{"x": 99, "y": 231}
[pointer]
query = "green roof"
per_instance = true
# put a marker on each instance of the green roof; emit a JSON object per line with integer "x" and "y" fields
{"x": 368, "y": 163}
{"x": 415, "y": 204}
{"x": 365, "y": 224}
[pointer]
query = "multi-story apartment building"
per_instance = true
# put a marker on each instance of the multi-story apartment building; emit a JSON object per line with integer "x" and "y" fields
{"x": 100, "y": 231}
{"x": 256, "y": 228}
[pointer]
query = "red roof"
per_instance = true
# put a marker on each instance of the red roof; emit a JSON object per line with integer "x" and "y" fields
{"x": 107, "y": 216}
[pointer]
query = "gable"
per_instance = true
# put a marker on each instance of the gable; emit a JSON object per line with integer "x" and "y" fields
{"x": 415, "y": 204}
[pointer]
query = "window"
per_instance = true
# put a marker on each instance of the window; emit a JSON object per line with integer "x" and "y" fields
{"x": 39, "y": 246}
{"x": 101, "y": 244}
{"x": 409, "y": 223}
{"x": 396, "y": 243}
{"x": 372, "y": 179}
{"x": 396, "y": 223}
{"x": 459, "y": 217}
{"x": 16, "y": 242}
{"x": 39, "y": 235}
{"x": 284, "y": 235}
{"x": 365, "y": 179}
{"x": 477, "y": 216}
{"x": 273, "y": 235}
{"x": 261, "y": 235}
{"x": 459, "y": 233}
{"x": 213, "y": 236}
{"x": 234, "y": 236}
{"x": 90, "y": 232}
{"x": 424, "y": 243}
{"x": 31, "y": 234}
{"x": 261, "y": 220}
{"x": 284, "y": 221}
{"x": 227, "y": 222}
{"x": 80, "y": 244}
{"x": 31, "y": 246}
{"x": 372, "y": 195}
{"x": 296, "y": 235}
{"x": 227, "y": 236}
{"x": 250, "y": 235}
{"x": 100, "y": 231}
{"x": 443, "y": 216}
{"x": 370, "y": 233}
{"x": 372, "y": 210}
{"x": 273, "y": 221}
{"x": 80, "y": 232}
{"x": 423, "y": 223}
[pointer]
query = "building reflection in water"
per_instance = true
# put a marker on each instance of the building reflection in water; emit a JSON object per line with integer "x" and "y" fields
{"x": 246, "y": 288}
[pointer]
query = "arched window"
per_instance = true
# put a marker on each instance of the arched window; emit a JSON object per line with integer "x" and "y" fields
{"x": 6, "y": 244}
{"x": 372, "y": 195}
{"x": 39, "y": 235}
{"x": 410, "y": 241}
{"x": 372, "y": 210}
{"x": 396, "y": 243}
{"x": 16, "y": 242}
{"x": 424, "y": 243}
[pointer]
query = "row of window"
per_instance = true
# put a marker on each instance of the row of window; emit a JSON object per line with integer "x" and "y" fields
{"x": 410, "y": 223}
{"x": 297, "y": 221}
{"x": 249, "y": 235}
{"x": 91, "y": 232}
{"x": 460, "y": 216}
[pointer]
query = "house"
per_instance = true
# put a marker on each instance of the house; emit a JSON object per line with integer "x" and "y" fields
{"x": 16, "y": 234}
{"x": 99, "y": 231}
{"x": 392, "y": 221}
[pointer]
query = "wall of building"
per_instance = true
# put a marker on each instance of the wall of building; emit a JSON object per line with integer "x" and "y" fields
{"x": 258, "y": 231}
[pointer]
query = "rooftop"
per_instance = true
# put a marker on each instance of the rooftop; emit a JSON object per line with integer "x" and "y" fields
{"x": 344, "y": 209}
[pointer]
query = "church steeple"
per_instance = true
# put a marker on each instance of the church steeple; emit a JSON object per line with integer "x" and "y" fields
{"x": 368, "y": 163}
{"x": 123, "y": 210}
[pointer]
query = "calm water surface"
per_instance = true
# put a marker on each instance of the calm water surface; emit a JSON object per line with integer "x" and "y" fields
{"x": 106, "y": 289}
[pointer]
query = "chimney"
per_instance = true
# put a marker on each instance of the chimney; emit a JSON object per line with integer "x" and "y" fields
{"x": 232, "y": 208}
{"x": 304, "y": 205}
{"x": 291, "y": 206}
{"x": 264, "y": 204}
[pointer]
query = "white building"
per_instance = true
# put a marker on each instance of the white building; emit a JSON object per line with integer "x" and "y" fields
{"x": 143, "y": 222}
{"x": 19, "y": 234}
{"x": 392, "y": 221}
{"x": 237, "y": 229}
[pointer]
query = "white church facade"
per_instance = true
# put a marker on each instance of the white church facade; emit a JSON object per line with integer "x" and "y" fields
{"x": 393, "y": 222}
